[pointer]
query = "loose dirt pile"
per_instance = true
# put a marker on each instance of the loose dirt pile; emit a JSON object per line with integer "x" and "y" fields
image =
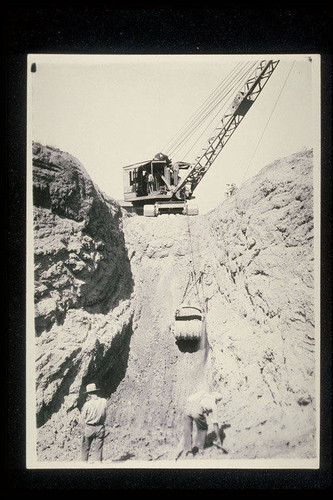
{"x": 108, "y": 285}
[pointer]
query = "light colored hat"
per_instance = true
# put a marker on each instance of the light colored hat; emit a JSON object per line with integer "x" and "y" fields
{"x": 91, "y": 388}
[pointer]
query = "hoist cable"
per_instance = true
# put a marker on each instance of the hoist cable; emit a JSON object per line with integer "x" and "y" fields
{"x": 192, "y": 118}
{"x": 226, "y": 95}
{"x": 208, "y": 112}
{"x": 192, "y": 123}
{"x": 206, "y": 109}
{"x": 264, "y": 130}
{"x": 210, "y": 108}
{"x": 219, "y": 112}
{"x": 195, "y": 284}
{"x": 209, "y": 124}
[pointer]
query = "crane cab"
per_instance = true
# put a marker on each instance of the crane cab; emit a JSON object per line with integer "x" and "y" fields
{"x": 153, "y": 187}
{"x": 189, "y": 323}
{"x": 137, "y": 185}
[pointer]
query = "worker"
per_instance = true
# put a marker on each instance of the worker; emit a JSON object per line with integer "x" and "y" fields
{"x": 150, "y": 183}
{"x": 175, "y": 168}
{"x": 231, "y": 190}
{"x": 188, "y": 190}
{"x": 167, "y": 174}
{"x": 145, "y": 182}
{"x": 160, "y": 157}
{"x": 198, "y": 407}
{"x": 93, "y": 416}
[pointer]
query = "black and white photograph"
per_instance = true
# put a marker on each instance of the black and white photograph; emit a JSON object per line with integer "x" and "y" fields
{"x": 173, "y": 261}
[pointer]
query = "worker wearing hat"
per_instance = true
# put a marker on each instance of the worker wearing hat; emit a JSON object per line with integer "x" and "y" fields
{"x": 198, "y": 407}
{"x": 93, "y": 415}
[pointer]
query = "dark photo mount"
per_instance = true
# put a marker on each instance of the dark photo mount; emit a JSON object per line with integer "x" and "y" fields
{"x": 83, "y": 28}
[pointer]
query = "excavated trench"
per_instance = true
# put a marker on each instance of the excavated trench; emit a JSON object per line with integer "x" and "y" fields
{"x": 256, "y": 286}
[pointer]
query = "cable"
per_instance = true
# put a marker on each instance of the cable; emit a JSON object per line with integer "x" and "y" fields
{"x": 232, "y": 89}
{"x": 260, "y": 138}
{"x": 193, "y": 123}
{"x": 193, "y": 266}
{"x": 209, "y": 109}
{"x": 218, "y": 113}
{"x": 191, "y": 119}
{"x": 235, "y": 83}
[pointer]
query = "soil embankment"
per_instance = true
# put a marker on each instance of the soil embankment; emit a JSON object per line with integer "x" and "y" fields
{"x": 107, "y": 287}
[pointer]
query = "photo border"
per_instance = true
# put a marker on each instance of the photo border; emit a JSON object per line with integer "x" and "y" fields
{"x": 25, "y": 33}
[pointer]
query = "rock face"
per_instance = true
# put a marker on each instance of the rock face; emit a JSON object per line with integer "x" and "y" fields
{"x": 107, "y": 287}
{"x": 81, "y": 271}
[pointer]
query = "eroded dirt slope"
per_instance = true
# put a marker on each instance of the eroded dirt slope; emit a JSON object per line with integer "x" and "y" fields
{"x": 254, "y": 261}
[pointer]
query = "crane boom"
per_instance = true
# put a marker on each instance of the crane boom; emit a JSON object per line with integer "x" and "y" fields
{"x": 230, "y": 121}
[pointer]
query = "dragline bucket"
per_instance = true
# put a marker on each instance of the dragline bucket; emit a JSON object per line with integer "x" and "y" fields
{"x": 189, "y": 323}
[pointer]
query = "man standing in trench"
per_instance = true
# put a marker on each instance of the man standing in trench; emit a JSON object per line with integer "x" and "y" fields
{"x": 198, "y": 406}
{"x": 93, "y": 416}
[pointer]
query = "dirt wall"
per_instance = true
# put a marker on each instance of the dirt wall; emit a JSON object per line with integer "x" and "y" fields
{"x": 253, "y": 258}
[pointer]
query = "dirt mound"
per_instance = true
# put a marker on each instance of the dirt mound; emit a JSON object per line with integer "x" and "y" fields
{"x": 252, "y": 261}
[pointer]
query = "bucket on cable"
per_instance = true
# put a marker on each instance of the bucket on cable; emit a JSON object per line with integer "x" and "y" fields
{"x": 189, "y": 323}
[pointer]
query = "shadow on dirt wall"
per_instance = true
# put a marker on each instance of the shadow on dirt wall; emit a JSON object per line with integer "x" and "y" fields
{"x": 57, "y": 401}
{"x": 118, "y": 286}
{"x": 106, "y": 369}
